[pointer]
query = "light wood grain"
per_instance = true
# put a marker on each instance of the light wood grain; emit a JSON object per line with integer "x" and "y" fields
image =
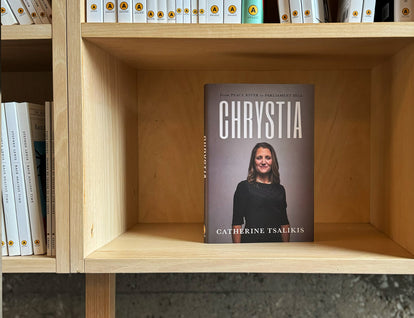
{"x": 100, "y": 296}
{"x": 29, "y": 264}
{"x": 27, "y": 32}
{"x": 338, "y": 248}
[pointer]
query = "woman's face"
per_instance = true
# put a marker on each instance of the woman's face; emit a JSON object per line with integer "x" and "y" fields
{"x": 263, "y": 160}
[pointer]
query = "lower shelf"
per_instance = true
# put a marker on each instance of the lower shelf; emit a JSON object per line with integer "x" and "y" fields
{"x": 338, "y": 248}
{"x": 29, "y": 264}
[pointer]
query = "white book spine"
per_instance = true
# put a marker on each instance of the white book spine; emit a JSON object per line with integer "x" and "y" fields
{"x": 284, "y": 11}
{"x": 109, "y": 8}
{"x": 125, "y": 11}
{"x": 232, "y": 11}
{"x": 32, "y": 11}
{"x": 152, "y": 9}
{"x": 171, "y": 11}
{"x": 22, "y": 211}
{"x": 202, "y": 11}
{"x": 187, "y": 11}
{"x": 215, "y": 11}
{"x": 296, "y": 15}
{"x": 40, "y": 11}
{"x": 94, "y": 11}
{"x": 139, "y": 14}
{"x": 403, "y": 10}
{"x": 350, "y": 11}
{"x": 368, "y": 11}
{"x": 31, "y": 117}
{"x": 4, "y": 251}
{"x": 7, "y": 16}
{"x": 194, "y": 11}
{"x": 179, "y": 11}
{"x": 313, "y": 11}
{"x": 48, "y": 9}
{"x": 162, "y": 11}
{"x": 48, "y": 139}
{"x": 20, "y": 12}
{"x": 10, "y": 216}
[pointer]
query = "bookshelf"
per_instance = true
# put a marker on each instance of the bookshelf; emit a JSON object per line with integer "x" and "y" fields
{"x": 139, "y": 91}
{"x": 33, "y": 63}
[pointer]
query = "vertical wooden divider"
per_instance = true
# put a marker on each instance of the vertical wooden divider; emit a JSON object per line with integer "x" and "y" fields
{"x": 100, "y": 296}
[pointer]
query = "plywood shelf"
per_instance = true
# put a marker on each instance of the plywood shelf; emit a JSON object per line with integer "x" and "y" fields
{"x": 29, "y": 264}
{"x": 338, "y": 248}
{"x": 26, "y": 32}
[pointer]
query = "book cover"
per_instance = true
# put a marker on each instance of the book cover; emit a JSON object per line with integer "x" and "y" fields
{"x": 94, "y": 11}
{"x": 194, "y": 11}
{"x": 284, "y": 11}
{"x": 110, "y": 15}
{"x": 232, "y": 11}
{"x": 152, "y": 10}
{"x": 162, "y": 11}
{"x": 368, "y": 11}
{"x": 186, "y": 11}
{"x": 140, "y": 11}
{"x": 7, "y": 16}
{"x": 253, "y": 11}
{"x": 259, "y": 141}
{"x": 125, "y": 11}
{"x": 296, "y": 15}
{"x": 202, "y": 11}
{"x": 403, "y": 10}
{"x": 179, "y": 11}
{"x": 215, "y": 11}
{"x": 171, "y": 11}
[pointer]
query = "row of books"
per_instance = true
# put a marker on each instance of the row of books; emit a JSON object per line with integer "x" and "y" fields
{"x": 27, "y": 203}
{"x": 25, "y": 12}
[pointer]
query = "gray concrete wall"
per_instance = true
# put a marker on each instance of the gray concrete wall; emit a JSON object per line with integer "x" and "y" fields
{"x": 216, "y": 295}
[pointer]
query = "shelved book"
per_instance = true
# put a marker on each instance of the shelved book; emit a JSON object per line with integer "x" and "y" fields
{"x": 25, "y": 12}
{"x": 259, "y": 159}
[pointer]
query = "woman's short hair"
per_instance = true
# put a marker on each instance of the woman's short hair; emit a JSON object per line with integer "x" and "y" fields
{"x": 252, "y": 173}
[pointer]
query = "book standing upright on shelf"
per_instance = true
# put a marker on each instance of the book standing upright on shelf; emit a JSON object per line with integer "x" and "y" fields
{"x": 4, "y": 251}
{"x": 368, "y": 11}
{"x": 171, "y": 11}
{"x": 259, "y": 141}
{"x": 284, "y": 11}
{"x": 232, "y": 11}
{"x": 296, "y": 15}
{"x": 94, "y": 11}
{"x": 350, "y": 11}
{"x": 152, "y": 9}
{"x": 403, "y": 10}
{"x": 32, "y": 11}
{"x": 253, "y": 11}
{"x": 139, "y": 11}
{"x": 110, "y": 14}
{"x": 125, "y": 11}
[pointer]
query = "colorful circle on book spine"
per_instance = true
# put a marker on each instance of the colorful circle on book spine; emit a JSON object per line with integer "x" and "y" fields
{"x": 110, "y": 6}
{"x": 368, "y": 12}
{"x": 24, "y": 242}
{"x": 214, "y": 9}
{"x": 139, "y": 6}
{"x": 150, "y": 14}
{"x": 307, "y": 13}
{"x": 34, "y": 15}
{"x": 11, "y": 243}
{"x": 195, "y": 11}
{"x": 186, "y": 10}
{"x": 171, "y": 14}
{"x": 37, "y": 242}
{"x": 179, "y": 10}
{"x": 20, "y": 10}
{"x": 253, "y": 10}
{"x": 295, "y": 13}
{"x": 405, "y": 11}
{"x": 123, "y": 5}
{"x": 160, "y": 14}
{"x": 2, "y": 243}
{"x": 355, "y": 13}
{"x": 202, "y": 11}
{"x": 3, "y": 10}
{"x": 284, "y": 17}
{"x": 232, "y": 9}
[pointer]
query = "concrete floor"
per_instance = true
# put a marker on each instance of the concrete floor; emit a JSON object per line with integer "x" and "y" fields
{"x": 216, "y": 295}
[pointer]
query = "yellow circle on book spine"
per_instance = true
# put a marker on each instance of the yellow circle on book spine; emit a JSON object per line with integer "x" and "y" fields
{"x": 232, "y": 9}
{"x": 284, "y": 17}
{"x": 123, "y": 5}
{"x": 171, "y": 14}
{"x": 11, "y": 243}
{"x": 3, "y": 10}
{"x": 110, "y": 6}
{"x": 307, "y": 13}
{"x": 179, "y": 10}
{"x": 24, "y": 242}
{"x": 355, "y": 13}
{"x": 253, "y": 10}
{"x": 139, "y": 6}
{"x": 295, "y": 13}
{"x": 405, "y": 11}
{"x": 20, "y": 10}
{"x": 214, "y": 9}
{"x": 150, "y": 14}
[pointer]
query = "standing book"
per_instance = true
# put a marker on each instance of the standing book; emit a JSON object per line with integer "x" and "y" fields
{"x": 259, "y": 141}
{"x": 7, "y": 16}
{"x": 4, "y": 251}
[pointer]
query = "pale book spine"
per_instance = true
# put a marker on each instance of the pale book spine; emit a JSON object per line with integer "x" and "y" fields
{"x": 53, "y": 204}
{"x": 48, "y": 9}
{"x": 32, "y": 11}
{"x": 4, "y": 251}
{"x": 187, "y": 11}
{"x": 403, "y": 10}
{"x": 22, "y": 211}
{"x": 40, "y": 11}
{"x": 350, "y": 11}
{"x": 232, "y": 11}
{"x": 368, "y": 11}
{"x": 152, "y": 11}
{"x": 48, "y": 139}
{"x": 125, "y": 11}
{"x": 109, "y": 15}
{"x": 215, "y": 11}
{"x": 171, "y": 11}
{"x": 31, "y": 117}
{"x": 162, "y": 11}
{"x": 202, "y": 11}
{"x": 284, "y": 11}
{"x": 7, "y": 16}
{"x": 10, "y": 216}
{"x": 194, "y": 11}
{"x": 139, "y": 11}
{"x": 94, "y": 11}
{"x": 20, "y": 12}
{"x": 313, "y": 11}
{"x": 296, "y": 15}
{"x": 179, "y": 11}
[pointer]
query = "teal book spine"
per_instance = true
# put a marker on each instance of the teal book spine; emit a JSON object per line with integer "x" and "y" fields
{"x": 253, "y": 11}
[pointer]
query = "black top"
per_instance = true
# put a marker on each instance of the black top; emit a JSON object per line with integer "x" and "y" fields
{"x": 263, "y": 206}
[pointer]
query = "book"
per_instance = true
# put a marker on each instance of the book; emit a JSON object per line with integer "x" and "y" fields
{"x": 47, "y": 8}
{"x": 259, "y": 159}
{"x": 40, "y": 11}
{"x": 7, "y": 16}
{"x": 202, "y": 11}
{"x": 94, "y": 11}
{"x": 215, "y": 11}
{"x": 31, "y": 123}
{"x": 171, "y": 11}
{"x": 313, "y": 11}
{"x": 162, "y": 11}
{"x": 284, "y": 11}
{"x": 253, "y": 11}
{"x": 368, "y": 11}
{"x": 152, "y": 11}
{"x": 350, "y": 11}
{"x": 52, "y": 180}
{"x": 32, "y": 11}
{"x": 9, "y": 206}
{"x": 296, "y": 15}
{"x": 186, "y": 11}
{"x": 194, "y": 11}
{"x": 232, "y": 11}
{"x": 179, "y": 11}
{"x": 48, "y": 180}
{"x": 110, "y": 14}
{"x": 124, "y": 11}
{"x": 19, "y": 183}
{"x": 403, "y": 10}
{"x": 4, "y": 251}
{"x": 140, "y": 11}
{"x": 20, "y": 12}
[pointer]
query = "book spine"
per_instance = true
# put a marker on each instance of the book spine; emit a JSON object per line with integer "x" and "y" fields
{"x": 232, "y": 11}
{"x": 40, "y": 11}
{"x": 10, "y": 216}
{"x": 125, "y": 11}
{"x": 30, "y": 120}
{"x": 179, "y": 11}
{"x": 194, "y": 11}
{"x": 4, "y": 251}
{"x": 20, "y": 12}
{"x": 139, "y": 11}
{"x": 368, "y": 11}
{"x": 171, "y": 11}
{"x": 296, "y": 15}
{"x": 94, "y": 11}
{"x": 110, "y": 15}
{"x": 161, "y": 11}
{"x": 48, "y": 9}
{"x": 403, "y": 10}
{"x": 7, "y": 16}
{"x": 215, "y": 11}
{"x": 350, "y": 11}
{"x": 152, "y": 11}
{"x": 187, "y": 11}
{"x": 252, "y": 12}
{"x": 284, "y": 11}
{"x": 313, "y": 11}
{"x": 202, "y": 11}
{"x": 32, "y": 11}
{"x": 52, "y": 172}
{"x": 48, "y": 179}
{"x": 22, "y": 211}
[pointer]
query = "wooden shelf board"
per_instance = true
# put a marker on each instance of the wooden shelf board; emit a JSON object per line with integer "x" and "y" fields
{"x": 29, "y": 264}
{"x": 251, "y": 47}
{"x": 338, "y": 248}
{"x": 26, "y": 32}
